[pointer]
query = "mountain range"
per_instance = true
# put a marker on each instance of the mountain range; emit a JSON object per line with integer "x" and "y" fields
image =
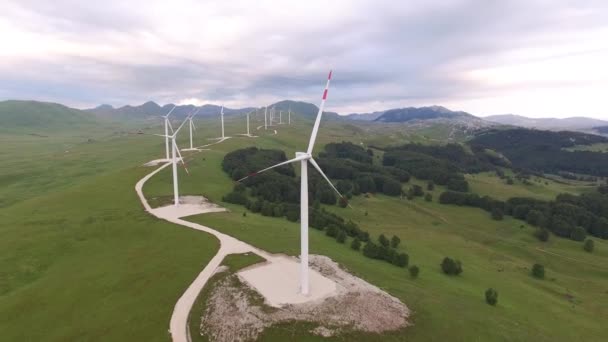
{"x": 24, "y": 114}
{"x": 572, "y": 123}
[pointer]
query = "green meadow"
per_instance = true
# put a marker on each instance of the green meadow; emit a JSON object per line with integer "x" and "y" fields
{"x": 82, "y": 260}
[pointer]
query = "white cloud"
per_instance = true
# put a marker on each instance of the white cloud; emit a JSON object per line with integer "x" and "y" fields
{"x": 534, "y": 57}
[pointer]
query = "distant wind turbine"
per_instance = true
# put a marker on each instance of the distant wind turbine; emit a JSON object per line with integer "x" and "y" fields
{"x": 167, "y": 125}
{"x": 265, "y": 118}
{"x": 191, "y": 123}
{"x": 174, "y": 160}
{"x": 304, "y": 158}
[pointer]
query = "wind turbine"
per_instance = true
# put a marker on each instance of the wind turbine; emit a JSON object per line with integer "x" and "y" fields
{"x": 174, "y": 154}
{"x": 304, "y": 158}
{"x": 223, "y": 137}
{"x": 248, "y": 134}
{"x": 280, "y": 117}
{"x": 265, "y": 118}
{"x": 167, "y": 125}
{"x": 289, "y": 116}
{"x": 191, "y": 124}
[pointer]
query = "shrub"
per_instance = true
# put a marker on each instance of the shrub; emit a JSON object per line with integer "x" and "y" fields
{"x": 235, "y": 197}
{"x": 341, "y": 238}
{"x": 356, "y": 244}
{"x": 578, "y": 234}
{"x": 417, "y": 190}
{"x": 538, "y": 271}
{"x": 414, "y": 270}
{"x": 401, "y": 259}
{"x": 331, "y": 231}
{"x": 395, "y": 240}
{"x": 267, "y": 209}
{"x": 588, "y": 245}
{"x": 370, "y": 250}
{"x": 451, "y": 266}
{"x": 383, "y": 240}
{"x": 497, "y": 214}
{"x": 343, "y": 202}
{"x": 491, "y": 296}
{"x": 430, "y": 186}
{"x": 391, "y": 187}
{"x": 293, "y": 215}
{"x": 542, "y": 234}
{"x": 428, "y": 197}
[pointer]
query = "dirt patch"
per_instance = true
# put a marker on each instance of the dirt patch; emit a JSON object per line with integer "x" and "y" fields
{"x": 236, "y": 312}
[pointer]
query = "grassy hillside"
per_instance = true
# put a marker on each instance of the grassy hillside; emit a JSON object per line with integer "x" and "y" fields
{"x": 494, "y": 254}
{"x": 42, "y": 117}
{"x": 82, "y": 261}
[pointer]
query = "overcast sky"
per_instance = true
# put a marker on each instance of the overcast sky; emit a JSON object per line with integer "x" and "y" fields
{"x": 529, "y": 57}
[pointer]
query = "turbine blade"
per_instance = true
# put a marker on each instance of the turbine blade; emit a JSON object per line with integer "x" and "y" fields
{"x": 315, "y": 128}
{"x": 192, "y": 122}
{"x": 314, "y": 163}
{"x": 180, "y": 127}
{"x": 170, "y": 126}
{"x": 180, "y": 156}
{"x": 272, "y": 167}
{"x": 174, "y": 106}
{"x": 162, "y": 135}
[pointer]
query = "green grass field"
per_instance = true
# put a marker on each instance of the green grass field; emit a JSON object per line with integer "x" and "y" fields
{"x": 82, "y": 261}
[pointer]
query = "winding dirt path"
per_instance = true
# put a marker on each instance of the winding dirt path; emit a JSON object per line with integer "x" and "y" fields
{"x": 178, "y": 326}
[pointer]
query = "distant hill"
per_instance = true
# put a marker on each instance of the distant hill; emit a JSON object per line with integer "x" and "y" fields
{"x": 364, "y": 117}
{"x": 34, "y": 116}
{"x": 545, "y": 151}
{"x": 302, "y": 108}
{"x": 151, "y": 108}
{"x": 601, "y": 130}
{"x": 425, "y": 113}
{"x": 572, "y": 123}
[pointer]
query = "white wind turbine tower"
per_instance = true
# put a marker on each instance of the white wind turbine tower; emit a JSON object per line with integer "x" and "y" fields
{"x": 223, "y": 137}
{"x": 191, "y": 124}
{"x": 265, "y": 118}
{"x": 280, "y": 117}
{"x": 174, "y": 160}
{"x": 167, "y": 126}
{"x": 289, "y": 116}
{"x": 248, "y": 134}
{"x": 304, "y": 158}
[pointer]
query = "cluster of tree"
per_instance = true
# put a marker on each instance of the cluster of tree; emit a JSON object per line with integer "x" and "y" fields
{"x": 352, "y": 166}
{"x": 430, "y": 163}
{"x": 544, "y": 151}
{"x": 567, "y": 216}
{"x": 277, "y": 194}
{"x": 386, "y": 250}
{"x": 451, "y": 266}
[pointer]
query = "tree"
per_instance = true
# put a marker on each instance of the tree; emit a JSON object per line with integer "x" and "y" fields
{"x": 395, "y": 240}
{"x": 538, "y": 271}
{"x": 417, "y": 190}
{"x": 497, "y": 214}
{"x": 331, "y": 230}
{"x": 588, "y": 245}
{"x": 401, "y": 259}
{"x": 535, "y": 218}
{"x": 414, "y": 270}
{"x": 356, "y": 244}
{"x": 341, "y": 238}
{"x": 542, "y": 234}
{"x": 491, "y": 296}
{"x": 383, "y": 240}
{"x": 578, "y": 234}
{"x": 451, "y": 266}
{"x": 370, "y": 250}
{"x": 428, "y": 197}
{"x": 391, "y": 187}
{"x": 430, "y": 186}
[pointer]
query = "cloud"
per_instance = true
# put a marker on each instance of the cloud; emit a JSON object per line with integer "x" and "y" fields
{"x": 482, "y": 56}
